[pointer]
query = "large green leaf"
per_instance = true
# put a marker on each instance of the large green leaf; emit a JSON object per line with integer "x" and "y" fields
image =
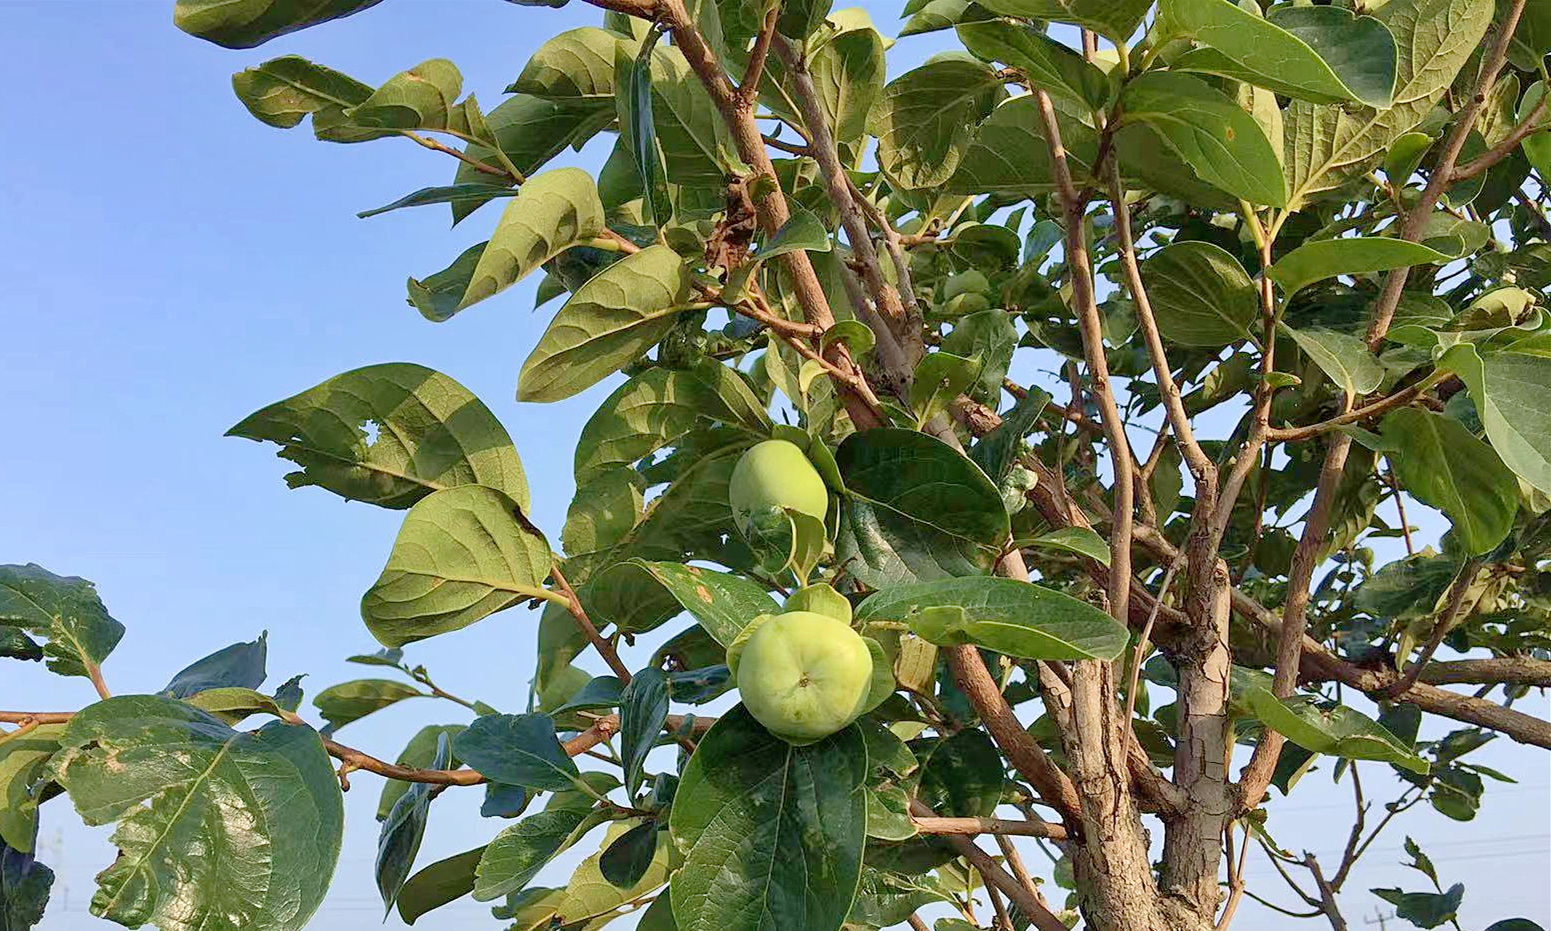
{"x": 1334, "y": 729}
{"x": 848, "y": 73}
{"x": 589, "y": 894}
{"x": 576, "y": 65}
{"x": 1047, "y": 63}
{"x": 552, "y": 212}
{"x": 424, "y": 97}
{"x": 22, "y": 761}
{"x": 1009, "y": 153}
{"x": 462, "y": 554}
{"x": 722, "y": 603}
{"x": 1208, "y": 130}
{"x": 1510, "y": 389}
{"x": 642, "y": 710}
{"x": 518, "y": 750}
{"x": 1116, "y": 19}
{"x": 926, "y": 117}
{"x": 246, "y": 23}
{"x": 24, "y": 888}
{"x": 515, "y": 856}
{"x": 1016, "y": 618}
{"x": 917, "y": 509}
{"x": 1250, "y": 47}
{"x": 63, "y": 609}
{"x": 607, "y": 323}
{"x": 1200, "y": 294}
{"x": 772, "y": 833}
{"x": 351, "y": 701}
{"x": 404, "y": 828}
{"x": 1345, "y": 358}
{"x": 434, "y": 886}
{"x": 240, "y": 665}
{"x": 219, "y": 830}
{"x": 431, "y": 433}
{"x": 657, "y": 407}
{"x": 1445, "y": 466}
{"x": 1331, "y": 258}
{"x": 283, "y": 91}
{"x": 529, "y": 131}
{"x": 1326, "y": 144}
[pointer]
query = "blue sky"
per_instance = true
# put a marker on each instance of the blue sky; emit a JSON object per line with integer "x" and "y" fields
{"x": 172, "y": 265}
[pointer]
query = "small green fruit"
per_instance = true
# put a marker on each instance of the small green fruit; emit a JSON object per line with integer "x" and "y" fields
{"x": 804, "y": 676}
{"x": 775, "y": 474}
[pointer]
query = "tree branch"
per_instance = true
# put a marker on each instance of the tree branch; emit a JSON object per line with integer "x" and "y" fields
{"x": 604, "y": 648}
{"x": 994, "y": 875}
{"x": 970, "y": 827}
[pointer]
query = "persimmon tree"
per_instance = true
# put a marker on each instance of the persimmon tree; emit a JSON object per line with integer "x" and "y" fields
{"x": 1285, "y": 262}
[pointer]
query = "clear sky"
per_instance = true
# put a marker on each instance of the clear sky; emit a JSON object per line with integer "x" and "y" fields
{"x": 171, "y": 265}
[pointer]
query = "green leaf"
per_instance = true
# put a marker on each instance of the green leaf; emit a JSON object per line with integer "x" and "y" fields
{"x": 236, "y": 704}
{"x": 1343, "y": 357}
{"x": 518, "y": 750}
{"x": 1079, "y": 540}
{"x": 246, "y": 23}
{"x": 576, "y": 65}
{"x": 404, "y": 828}
{"x": 351, "y": 701}
{"x": 926, "y": 117}
{"x": 1510, "y": 389}
{"x": 939, "y": 378}
{"x": 1016, "y": 618}
{"x": 283, "y": 91}
{"x": 772, "y": 833}
{"x": 1115, "y": 19}
{"x": 462, "y": 554}
{"x": 438, "y": 884}
{"x": 962, "y": 777}
{"x": 1208, "y": 130}
{"x": 240, "y": 665}
{"x": 431, "y": 434}
{"x": 423, "y": 97}
{"x": 24, "y": 888}
{"x": 608, "y": 322}
{"x": 16, "y": 645}
{"x": 1327, "y": 144}
{"x": 1408, "y": 587}
{"x": 642, "y": 710}
{"x": 476, "y": 194}
{"x": 517, "y": 854}
{"x": 63, "y": 609}
{"x": 638, "y": 112}
{"x": 659, "y": 406}
{"x": 23, "y": 758}
{"x": 589, "y": 893}
{"x": 1336, "y": 730}
{"x": 1330, "y": 258}
{"x": 1046, "y": 62}
{"x": 1442, "y": 464}
{"x": 848, "y": 73}
{"x": 625, "y": 861}
{"x": 552, "y": 212}
{"x": 998, "y": 450}
{"x": 1250, "y": 47}
{"x": 218, "y": 828}
{"x": 419, "y": 753}
{"x": 1201, "y": 295}
{"x": 917, "y": 509}
{"x": 1015, "y": 127}
{"x": 802, "y": 232}
{"x": 886, "y": 899}
{"x": 720, "y": 602}
{"x": 1424, "y": 909}
{"x": 530, "y": 131}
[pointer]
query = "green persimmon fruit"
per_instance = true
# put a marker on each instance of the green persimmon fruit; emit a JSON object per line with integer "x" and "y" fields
{"x": 804, "y": 676}
{"x": 775, "y": 474}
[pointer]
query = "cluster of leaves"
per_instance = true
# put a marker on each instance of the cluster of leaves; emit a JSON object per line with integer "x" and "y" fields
{"x": 1269, "y": 160}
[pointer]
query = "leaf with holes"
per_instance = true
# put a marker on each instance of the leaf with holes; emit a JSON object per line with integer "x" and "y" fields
{"x": 63, "y": 609}
{"x": 217, "y": 828}
{"x": 431, "y": 433}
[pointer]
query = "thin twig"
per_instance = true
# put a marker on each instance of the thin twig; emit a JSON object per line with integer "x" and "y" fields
{"x": 604, "y": 647}
{"x": 970, "y": 827}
